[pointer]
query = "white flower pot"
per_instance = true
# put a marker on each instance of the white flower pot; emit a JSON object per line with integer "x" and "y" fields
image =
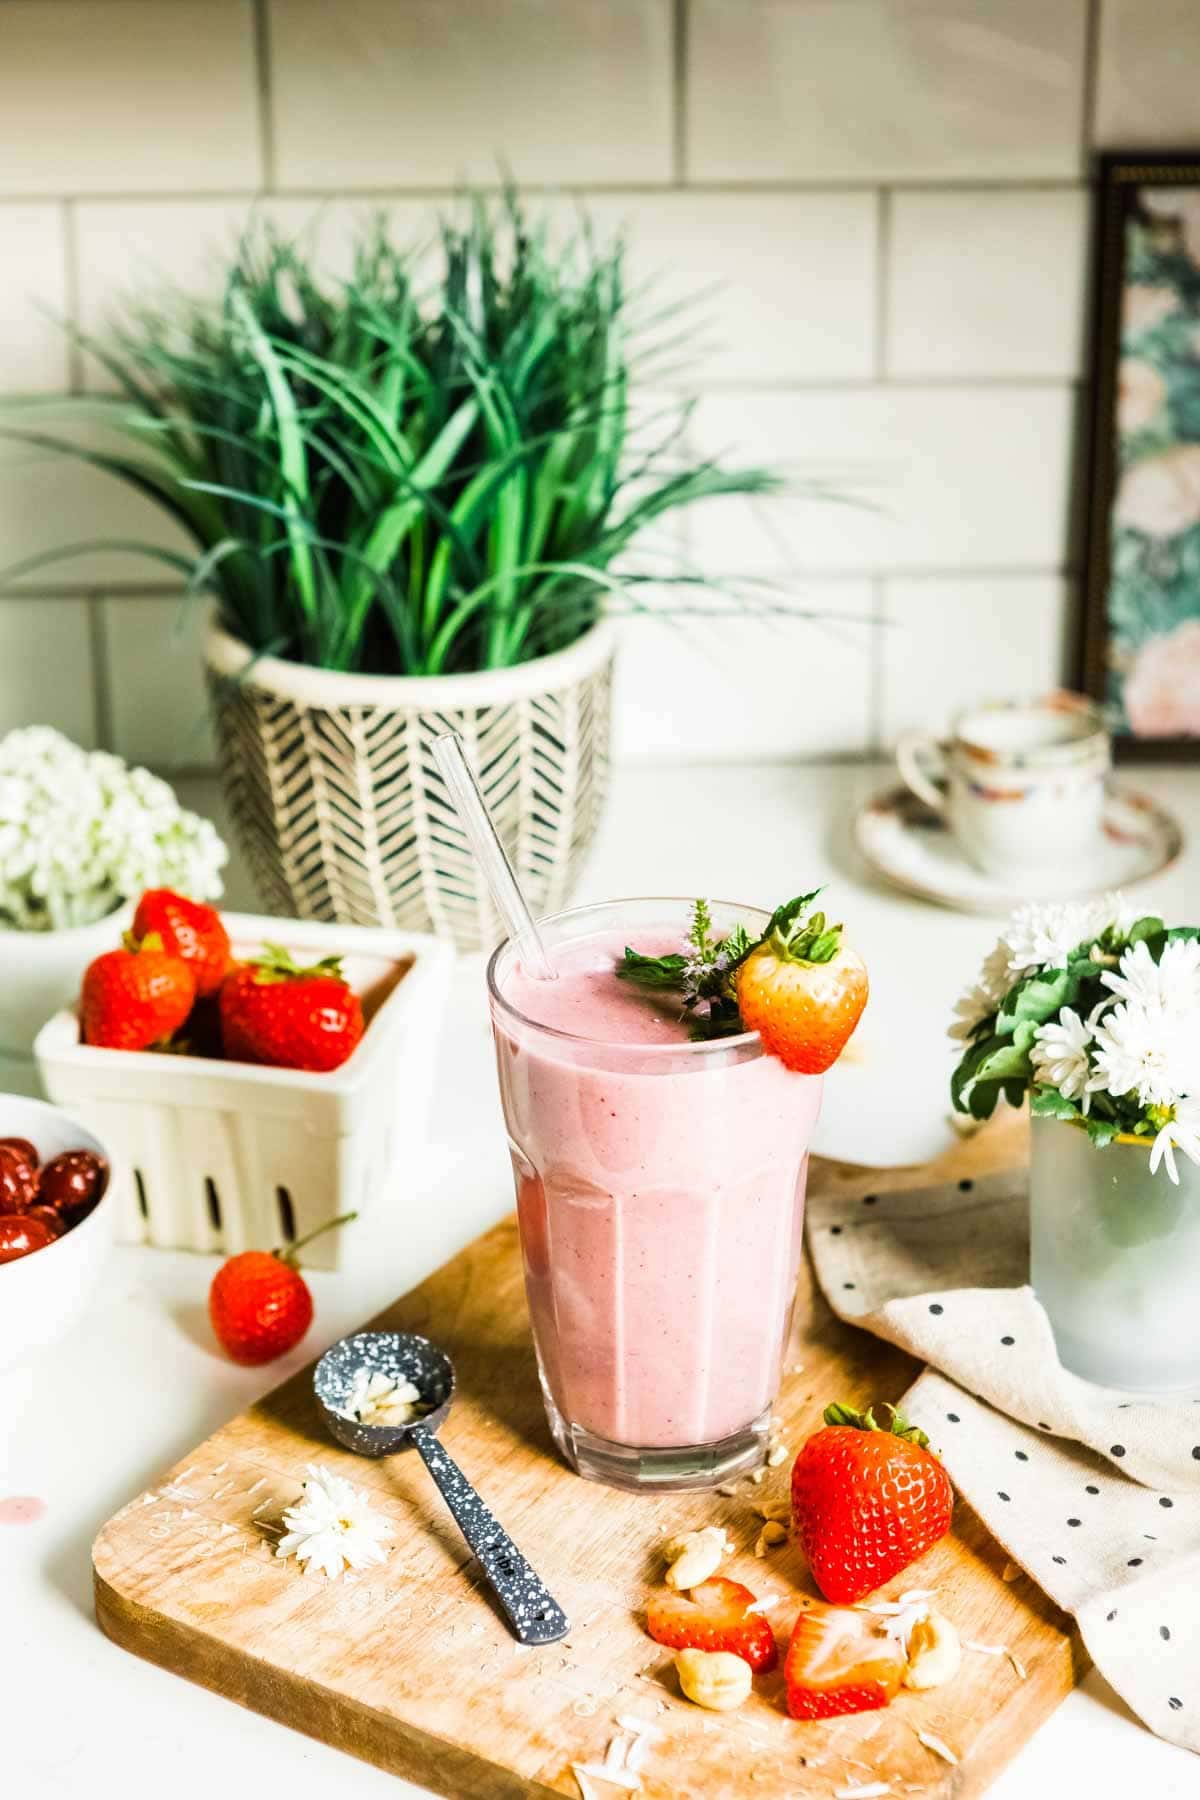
{"x": 343, "y": 816}
{"x": 40, "y": 972}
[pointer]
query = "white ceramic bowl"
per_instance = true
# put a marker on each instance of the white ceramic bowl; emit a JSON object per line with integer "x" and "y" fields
{"x": 41, "y": 1293}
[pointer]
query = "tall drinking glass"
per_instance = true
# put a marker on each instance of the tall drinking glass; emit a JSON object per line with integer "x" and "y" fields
{"x": 660, "y": 1191}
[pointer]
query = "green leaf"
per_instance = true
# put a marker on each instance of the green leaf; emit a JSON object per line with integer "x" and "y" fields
{"x": 651, "y": 971}
{"x": 1039, "y": 997}
{"x": 1101, "y": 1131}
{"x": 1048, "y": 1103}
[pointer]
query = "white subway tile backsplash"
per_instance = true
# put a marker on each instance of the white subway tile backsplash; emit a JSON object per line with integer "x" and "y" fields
{"x": 786, "y": 281}
{"x": 156, "y": 681}
{"x": 121, "y": 96}
{"x": 949, "y": 643}
{"x": 986, "y": 283}
{"x": 33, "y": 298}
{"x": 146, "y": 248}
{"x": 46, "y": 675}
{"x": 884, "y": 90}
{"x": 371, "y": 94}
{"x": 1146, "y": 91}
{"x": 928, "y": 478}
{"x": 49, "y": 502}
{"x": 751, "y": 686}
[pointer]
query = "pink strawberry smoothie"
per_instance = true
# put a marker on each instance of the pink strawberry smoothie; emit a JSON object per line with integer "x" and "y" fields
{"x": 660, "y": 1192}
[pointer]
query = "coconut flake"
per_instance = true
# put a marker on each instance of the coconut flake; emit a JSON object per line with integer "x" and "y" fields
{"x": 765, "y": 1604}
{"x": 984, "y": 1649}
{"x": 936, "y": 1745}
{"x": 1017, "y": 1664}
{"x": 865, "y": 1790}
{"x": 617, "y": 1777}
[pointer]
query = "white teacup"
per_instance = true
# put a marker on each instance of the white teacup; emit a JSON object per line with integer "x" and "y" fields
{"x": 1021, "y": 783}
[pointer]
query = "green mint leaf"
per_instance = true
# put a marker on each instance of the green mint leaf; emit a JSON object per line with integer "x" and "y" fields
{"x": 651, "y": 971}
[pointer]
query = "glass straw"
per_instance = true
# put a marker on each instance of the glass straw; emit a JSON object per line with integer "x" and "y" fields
{"x": 490, "y": 854}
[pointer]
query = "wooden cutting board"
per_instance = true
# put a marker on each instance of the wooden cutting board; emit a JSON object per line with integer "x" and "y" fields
{"x": 410, "y": 1667}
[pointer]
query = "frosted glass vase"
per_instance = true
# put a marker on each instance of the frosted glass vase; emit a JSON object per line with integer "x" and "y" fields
{"x": 1115, "y": 1260}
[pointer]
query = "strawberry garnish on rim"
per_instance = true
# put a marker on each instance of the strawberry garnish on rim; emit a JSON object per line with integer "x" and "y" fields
{"x": 867, "y": 1500}
{"x": 802, "y": 989}
{"x": 841, "y": 1660}
{"x": 714, "y": 1616}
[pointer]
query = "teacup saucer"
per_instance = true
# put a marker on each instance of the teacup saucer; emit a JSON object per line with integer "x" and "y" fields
{"x": 913, "y": 847}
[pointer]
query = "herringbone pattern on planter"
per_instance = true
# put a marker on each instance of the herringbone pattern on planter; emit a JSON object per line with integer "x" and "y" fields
{"x": 343, "y": 816}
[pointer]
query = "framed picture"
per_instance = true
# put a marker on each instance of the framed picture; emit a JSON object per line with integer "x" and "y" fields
{"x": 1140, "y": 639}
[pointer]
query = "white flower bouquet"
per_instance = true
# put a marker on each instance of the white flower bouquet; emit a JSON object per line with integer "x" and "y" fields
{"x": 1094, "y": 1012}
{"x": 80, "y": 831}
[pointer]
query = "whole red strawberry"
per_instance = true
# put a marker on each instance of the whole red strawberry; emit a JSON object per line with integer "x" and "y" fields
{"x": 260, "y": 1304}
{"x": 274, "y": 1012}
{"x": 867, "y": 1501}
{"x": 136, "y": 996}
{"x": 802, "y": 989}
{"x": 187, "y": 929}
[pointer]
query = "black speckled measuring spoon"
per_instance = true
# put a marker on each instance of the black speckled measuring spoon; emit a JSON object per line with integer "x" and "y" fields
{"x": 534, "y": 1614}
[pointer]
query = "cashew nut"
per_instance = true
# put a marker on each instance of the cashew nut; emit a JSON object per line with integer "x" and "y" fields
{"x": 934, "y": 1652}
{"x": 771, "y": 1534}
{"x": 694, "y": 1556}
{"x": 714, "y": 1678}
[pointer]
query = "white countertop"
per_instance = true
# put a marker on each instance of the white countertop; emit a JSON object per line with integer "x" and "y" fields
{"x": 139, "y": 1381}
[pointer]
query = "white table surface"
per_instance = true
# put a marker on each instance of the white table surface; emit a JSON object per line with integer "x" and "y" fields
{"x": 139, "y": 1381}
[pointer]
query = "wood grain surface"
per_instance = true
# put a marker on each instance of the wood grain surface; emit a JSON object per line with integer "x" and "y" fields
{"x": 410, "y": 1667}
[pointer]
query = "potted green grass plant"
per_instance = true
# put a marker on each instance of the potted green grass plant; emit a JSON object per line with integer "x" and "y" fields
{"x": 415, "y": 497}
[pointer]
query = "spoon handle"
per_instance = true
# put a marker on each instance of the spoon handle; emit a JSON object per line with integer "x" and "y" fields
{"x": 534, "y": 1614}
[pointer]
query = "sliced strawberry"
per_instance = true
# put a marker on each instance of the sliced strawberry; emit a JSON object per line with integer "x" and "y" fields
{"x": 714, "y": 1616}
{"x": 840, "y": 1660}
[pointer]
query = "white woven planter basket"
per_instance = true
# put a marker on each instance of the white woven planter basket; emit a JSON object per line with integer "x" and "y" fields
{"x": 343, "y": 815}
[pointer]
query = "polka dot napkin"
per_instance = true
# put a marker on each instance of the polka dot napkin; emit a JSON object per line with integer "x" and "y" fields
{"x": 1095, "y": 1493}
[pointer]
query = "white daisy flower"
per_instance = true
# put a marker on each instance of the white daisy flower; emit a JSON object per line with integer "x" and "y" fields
{"x": 1043, "y": 936}
{"x": 1148, "y": 1052}
{"x": 333, "y": 1526}
{"x": 1059, "y": 1055}
{"x": 1117, "y": 912}
{"x": 970, "y": 1009}
{"x": 1170, "y": 985}
{"x": 996, "y": 976}
{"x": 1182, "y": 1132}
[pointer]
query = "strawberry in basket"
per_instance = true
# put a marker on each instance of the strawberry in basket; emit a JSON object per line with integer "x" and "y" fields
{"x": 273, "y": 1011}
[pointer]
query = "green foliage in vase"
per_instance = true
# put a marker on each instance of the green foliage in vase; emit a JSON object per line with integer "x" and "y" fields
{"x": 403, "y": 473}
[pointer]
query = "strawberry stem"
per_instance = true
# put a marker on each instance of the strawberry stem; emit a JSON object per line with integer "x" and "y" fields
{"x": 278, "y": 964}
{"x": 287, "y": 1255}
{"x": 897, "y": 1426}
{"x": 796, "y": 937}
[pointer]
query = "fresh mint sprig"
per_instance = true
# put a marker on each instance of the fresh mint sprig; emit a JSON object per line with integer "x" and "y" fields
{"x": 705, "y": 975}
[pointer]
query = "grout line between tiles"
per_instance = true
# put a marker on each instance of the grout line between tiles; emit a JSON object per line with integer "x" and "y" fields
{"x": 883, "y": 279}
{"x": 265, "y": 95}
{"x": 679, "y": 90}
{"x": 1091, "y": 79}
{"x": 75, "y": 371}
{"x": 876, "y": 695}
{"x": 857, "y": 184}
{"x": 102, "y": 699}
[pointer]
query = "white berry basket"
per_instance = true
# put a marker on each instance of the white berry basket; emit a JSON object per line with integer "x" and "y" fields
{"x": 229, "y": 1156}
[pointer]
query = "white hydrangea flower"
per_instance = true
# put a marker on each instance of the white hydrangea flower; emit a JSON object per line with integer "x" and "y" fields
{"x": 1060, "y": 1058}
{"x": 80, "y": 831}
{"x": 1043, "y": 936}
{"x": 1170, "y": 985}
{"x": 333, "y": 1526}
{"x": 1182, "y": 1132}
{"x": 1146, "y": 1051}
